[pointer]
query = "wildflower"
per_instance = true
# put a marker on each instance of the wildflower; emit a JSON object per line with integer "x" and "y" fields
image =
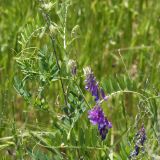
{"x": 97, "y": 117}
{"x": 103, "y": 127}
{"x": 140, "y": 139}
{"x": 92, "y": 85}
{"x": 103, "y": 94}
{"x": 73, "y": 66}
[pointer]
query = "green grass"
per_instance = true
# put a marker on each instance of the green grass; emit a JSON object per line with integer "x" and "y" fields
{"x": 119, "y": 39}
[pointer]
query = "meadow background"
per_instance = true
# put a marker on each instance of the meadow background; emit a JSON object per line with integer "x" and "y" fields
{"x": 118, "y": 39}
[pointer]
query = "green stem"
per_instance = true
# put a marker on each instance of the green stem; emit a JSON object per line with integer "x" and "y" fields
{"x": 48, "y": 21}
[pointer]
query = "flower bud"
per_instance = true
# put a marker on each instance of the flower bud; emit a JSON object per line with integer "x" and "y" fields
{"x": 73, "y": 66}
{"x": 52, "y": 29}
{"x": 47, "y": 6}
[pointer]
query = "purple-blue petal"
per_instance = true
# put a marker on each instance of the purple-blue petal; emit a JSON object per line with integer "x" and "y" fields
{"x": 96, "y": 117}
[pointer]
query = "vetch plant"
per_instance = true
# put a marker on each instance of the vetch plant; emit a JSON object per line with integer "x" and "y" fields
{"x": 96, "y": 115}
{"x": 140, "y": 139}
{"x": 92, "y": 85}
{"x": 58, "y": 121}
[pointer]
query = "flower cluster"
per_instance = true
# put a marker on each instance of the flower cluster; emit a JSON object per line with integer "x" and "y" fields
{"x": 140, "y": 139}
{"x": 92, "y": 85}
{"x": 96, "y": 115}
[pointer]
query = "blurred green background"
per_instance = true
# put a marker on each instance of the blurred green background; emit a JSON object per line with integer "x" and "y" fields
{"x": 119, "y": 39}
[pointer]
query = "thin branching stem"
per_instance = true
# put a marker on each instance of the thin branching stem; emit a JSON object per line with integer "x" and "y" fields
{"x": 76, "y": 147}
{"x": 119, "y": 52}
{"x": 48, "y": 21}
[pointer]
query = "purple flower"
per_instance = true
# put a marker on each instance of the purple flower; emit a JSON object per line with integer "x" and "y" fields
{"x": 96, "y": 116}
{"x": 135, "y": 152}
{"x": 142, "y": 135}
{"x": 103, "y": 94}
{"x": 92, "y": 85}
{"x": 103, "y": 127}
{"x": 140, "y": 139}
